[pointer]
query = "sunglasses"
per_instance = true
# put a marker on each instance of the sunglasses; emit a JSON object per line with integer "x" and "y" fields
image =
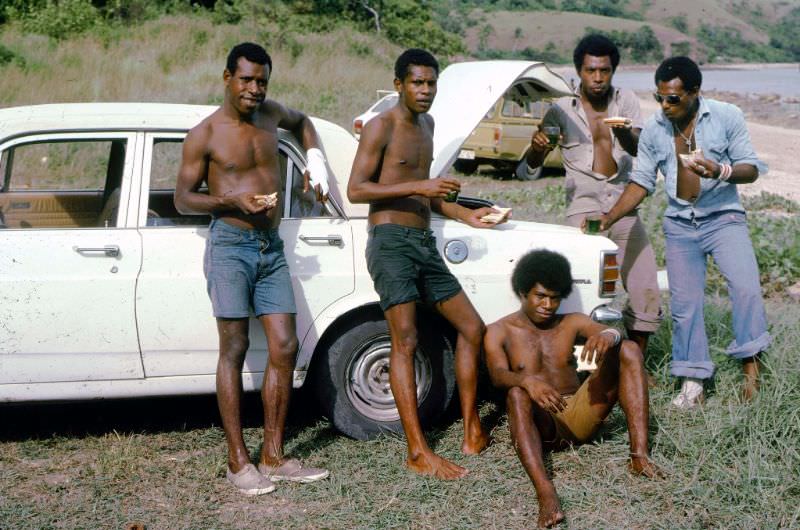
{"x": 672, "y": 99}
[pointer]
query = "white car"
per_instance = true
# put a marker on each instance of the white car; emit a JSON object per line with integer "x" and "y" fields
{"x": 387, "y": 99}
{"x": 102, "y": 293}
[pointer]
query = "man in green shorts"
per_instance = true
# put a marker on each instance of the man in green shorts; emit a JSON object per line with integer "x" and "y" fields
{"x": 390, "y": 172}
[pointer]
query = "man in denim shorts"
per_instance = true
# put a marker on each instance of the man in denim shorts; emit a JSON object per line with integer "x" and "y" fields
{"x": 235, "y": 151}
{"x": 390, "y": 171}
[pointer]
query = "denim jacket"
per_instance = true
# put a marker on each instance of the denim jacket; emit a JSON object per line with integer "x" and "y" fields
{"x": 721, "y": 133}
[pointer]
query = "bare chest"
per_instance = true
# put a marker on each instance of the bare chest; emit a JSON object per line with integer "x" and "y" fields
{"x": 244, "y": 150}
{"x": 410, "y": 150}
{"x": 539, "y": 352}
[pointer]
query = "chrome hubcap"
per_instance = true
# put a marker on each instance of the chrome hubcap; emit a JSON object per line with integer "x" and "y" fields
{"x": 368, "y": 374}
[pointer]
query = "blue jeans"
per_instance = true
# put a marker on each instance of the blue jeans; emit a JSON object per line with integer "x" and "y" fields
{"x": 724, "y": 236}
{"x": 246, "y": 269}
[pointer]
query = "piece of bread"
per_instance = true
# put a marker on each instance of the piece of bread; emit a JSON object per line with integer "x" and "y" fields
{"x": 496, "y": 217}
{"x": 267, "y": 200}
{"x": 618, "y": 121}
{"x": 687, "y": 158}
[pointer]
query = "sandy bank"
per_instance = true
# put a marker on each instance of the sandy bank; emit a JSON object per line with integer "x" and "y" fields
{"x": 776, "y": 146}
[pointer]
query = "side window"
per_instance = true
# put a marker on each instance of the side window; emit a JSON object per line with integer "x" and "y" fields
{"x": 62, "y": 183}
{"x": 164, "y": 166}
{"x": 304, "y": 204}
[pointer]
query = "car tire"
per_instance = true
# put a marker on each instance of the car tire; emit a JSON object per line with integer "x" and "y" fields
{"x": 352, "y": 381}
{"x": 467, "y": 167}
{"x": 522, "y": 171}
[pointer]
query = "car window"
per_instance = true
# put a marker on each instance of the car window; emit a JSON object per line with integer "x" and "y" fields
{"x": 516, "y": 109}
{"x": 165, "y": 163}
{"x": 303, "y": 204}
{"x": 62, "y": 183}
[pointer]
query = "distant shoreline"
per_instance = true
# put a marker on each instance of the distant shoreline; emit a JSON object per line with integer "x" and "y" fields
{"x": 559, "y": 68}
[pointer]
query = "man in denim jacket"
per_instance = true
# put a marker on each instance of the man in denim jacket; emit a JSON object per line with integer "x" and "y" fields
{"x": 703, "y": 148}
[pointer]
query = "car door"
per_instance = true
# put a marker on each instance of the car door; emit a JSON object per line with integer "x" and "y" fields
{"x": 68, "y": 261}
{"x": 177, "y": 331}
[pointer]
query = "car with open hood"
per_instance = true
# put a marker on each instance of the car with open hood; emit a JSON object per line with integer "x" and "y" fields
{"x": 102, "y": 292}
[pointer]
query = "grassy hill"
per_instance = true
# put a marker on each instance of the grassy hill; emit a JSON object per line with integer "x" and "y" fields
{"x": 181, "y": 58}
{"x": 709, "y": 30}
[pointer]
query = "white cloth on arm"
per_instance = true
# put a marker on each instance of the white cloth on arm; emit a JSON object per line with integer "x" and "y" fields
{"x": 317, "y": 169}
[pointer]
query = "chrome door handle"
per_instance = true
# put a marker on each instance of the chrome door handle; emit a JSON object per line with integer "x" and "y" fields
{"x": 112, "y": 251}
{"x": 334, "y": 241}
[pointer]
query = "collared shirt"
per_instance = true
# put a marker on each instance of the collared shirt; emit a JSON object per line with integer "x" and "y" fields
{"x": 721, "y": 132}
{"x": 588, "y": 191}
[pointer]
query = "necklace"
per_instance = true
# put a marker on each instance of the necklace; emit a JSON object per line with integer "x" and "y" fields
{"x": 686, "y": 139}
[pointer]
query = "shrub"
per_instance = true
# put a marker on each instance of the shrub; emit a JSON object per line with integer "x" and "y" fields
{"x": 59, "y": 19}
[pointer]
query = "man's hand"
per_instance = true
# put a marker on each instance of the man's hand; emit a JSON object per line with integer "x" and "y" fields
{"x": 604, "y": 224}
{"x": 598, "y": 344}
{"x": 316, "y": 174}
{"x": 544, "y": 395}
{"x": 705, "y": 168}
{"x": 438, "y": 187}
{"x": 487, "y": 217}
{"x": 540, "y": 144}
{"x": 249, "y": 203}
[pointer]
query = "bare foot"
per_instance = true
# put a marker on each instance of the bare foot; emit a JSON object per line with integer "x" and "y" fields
{"x": 433, "y": 464}
{"x": 643, "y": 466}
{"x": 550, "y": 513}
{"x": 475, "y": 442}
{"x": 751, "y": 368}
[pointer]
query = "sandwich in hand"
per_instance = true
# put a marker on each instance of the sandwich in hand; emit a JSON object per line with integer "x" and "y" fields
{"x": 496, "y": 217}
{"x": 267, "y": 200}
{"x": 618, "y": 121}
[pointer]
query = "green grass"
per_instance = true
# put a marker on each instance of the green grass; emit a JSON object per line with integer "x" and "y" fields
{"x": 162, "y": 462}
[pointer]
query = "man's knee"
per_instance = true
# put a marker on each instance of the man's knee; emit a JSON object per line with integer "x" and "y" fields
{"x": 233, "y": 346}
{"x": 473, "y": 331}
{"x": 630, "y": 353}
{"x": 517, "y": 399}
{"x": 404, "y": 341}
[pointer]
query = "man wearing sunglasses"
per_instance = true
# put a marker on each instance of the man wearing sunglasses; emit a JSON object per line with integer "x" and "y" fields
{"x": 703, "y": 148}
{"x": 598, "y": 157}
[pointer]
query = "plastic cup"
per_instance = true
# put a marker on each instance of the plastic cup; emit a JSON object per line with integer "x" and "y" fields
{"x": 553, "y": 133}
{"x": 593, "y": 224}
{"x": 451, "y": 196}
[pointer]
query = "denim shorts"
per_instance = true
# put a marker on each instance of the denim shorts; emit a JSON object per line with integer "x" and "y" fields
{"x": 406, "y": 267}
{"x": 246, "y": 270}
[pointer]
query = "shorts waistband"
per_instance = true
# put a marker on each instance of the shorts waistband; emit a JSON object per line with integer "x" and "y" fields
{"x": 401, "y": 230}
{"x": 249, "y": 233}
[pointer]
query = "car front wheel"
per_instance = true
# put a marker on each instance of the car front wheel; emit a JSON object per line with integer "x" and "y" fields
{"x": 352, "y": 381}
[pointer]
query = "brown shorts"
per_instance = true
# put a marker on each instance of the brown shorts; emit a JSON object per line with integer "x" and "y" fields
{"x": 577, "y": 423}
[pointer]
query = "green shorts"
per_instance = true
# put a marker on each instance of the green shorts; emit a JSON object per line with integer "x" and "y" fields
{"x": 406, "y": 267}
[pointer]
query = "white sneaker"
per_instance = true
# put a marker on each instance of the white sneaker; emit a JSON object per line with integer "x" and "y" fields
{"x": 249, "y": 481}
{"x": 691, "y": 394}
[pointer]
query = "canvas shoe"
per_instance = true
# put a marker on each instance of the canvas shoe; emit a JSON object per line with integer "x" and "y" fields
{"x": 250, "y": 482}
{"x": 294, "y": 471}
{"x": 691, "y": 394}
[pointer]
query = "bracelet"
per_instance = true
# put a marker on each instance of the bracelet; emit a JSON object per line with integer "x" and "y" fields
{"x": 616, "y": 333}
{"x": 725, "y": 171}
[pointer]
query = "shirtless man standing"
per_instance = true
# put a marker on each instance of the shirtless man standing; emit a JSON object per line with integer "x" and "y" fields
{"x": 235, "y": 151}
{"x": 390, "y": 171}
{"x": 530, "y": 354}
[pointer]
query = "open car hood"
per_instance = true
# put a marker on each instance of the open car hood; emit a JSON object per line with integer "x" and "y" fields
{"x": 466, "y": 92}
